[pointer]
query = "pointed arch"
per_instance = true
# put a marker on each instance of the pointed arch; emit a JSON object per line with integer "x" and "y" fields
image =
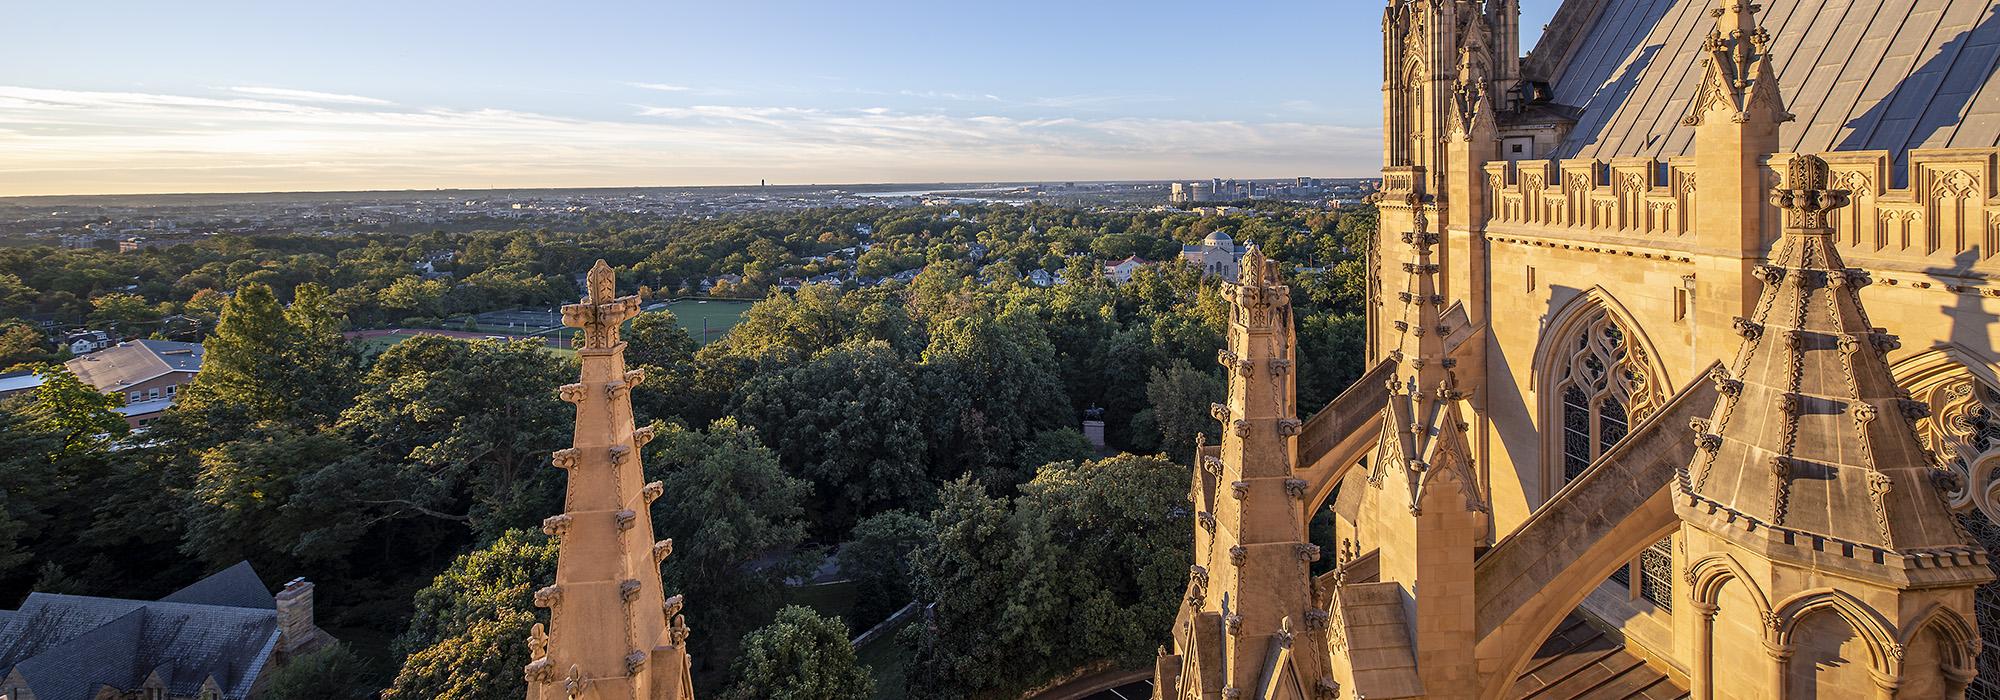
{"x": 1707, "y": 575}
{"x": 1877, "y": 632}
{"x": 1572, "y": 339}
{"x": 1961, "y": 641}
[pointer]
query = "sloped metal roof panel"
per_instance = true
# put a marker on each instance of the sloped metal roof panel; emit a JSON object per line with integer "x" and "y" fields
{"x": 1891, "y": 75}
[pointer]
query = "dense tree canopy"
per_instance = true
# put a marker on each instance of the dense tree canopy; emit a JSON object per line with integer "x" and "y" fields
{"x": 926, "y": 428}
{"x": 799, "y": 656}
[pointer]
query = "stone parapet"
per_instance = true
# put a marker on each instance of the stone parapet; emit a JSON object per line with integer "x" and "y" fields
{"x": 1937, "y": 213}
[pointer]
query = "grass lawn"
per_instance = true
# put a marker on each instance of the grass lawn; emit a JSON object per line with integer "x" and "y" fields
{"x": 887, "y": 661}
{"x": 720, "y": 315}
{"x": 375, "y": 345}
{"x": 832, "y": 599}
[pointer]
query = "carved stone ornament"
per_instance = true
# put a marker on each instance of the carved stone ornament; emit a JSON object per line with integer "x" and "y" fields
{"x": 652, "y": 491}
{"x": 541, "y": 670}
{"x": 1296, "y": 488}
{"x": 1237, "y": 554}
{"x": 1306, "y": 551}
{"x": 635, "y": 377}
{"x": 628, "y": 589}
{"x": 679, "y": 630}
{"x": 641, "y": 436}
{"x": 548, "y": 596}
{"x": 634, "y": 662}
{"x": 1239, "y": 489}
{"x": 619, "y": 453}
{"x": 1288, "y": 427}
{"x": 672, "y": 606}
{"x": 1234, "y": 622}
{"x": 1240, "y": 427}
{"x": 1206, "y": 520}
{"x": 1806, "y": 198}
{"x": 564, "y": 458}
{"x": 626, "y": 519}
{"x": 555, "y": 525}
{"x": 575, "y": 683}
{"x": 572, "y": 393}
{"x": 662, "y": 549}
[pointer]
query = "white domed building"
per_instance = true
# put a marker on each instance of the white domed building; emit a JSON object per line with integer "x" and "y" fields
{"x": 1217, "y": 255}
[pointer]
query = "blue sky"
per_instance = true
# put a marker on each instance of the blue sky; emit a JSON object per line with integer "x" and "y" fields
{"x": 229, "y": 95}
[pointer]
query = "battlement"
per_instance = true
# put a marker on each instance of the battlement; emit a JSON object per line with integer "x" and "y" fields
{"x": 1939, "y": 211}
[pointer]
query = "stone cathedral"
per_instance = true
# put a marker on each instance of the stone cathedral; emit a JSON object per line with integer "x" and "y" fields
{"x": 1683, "y": 381}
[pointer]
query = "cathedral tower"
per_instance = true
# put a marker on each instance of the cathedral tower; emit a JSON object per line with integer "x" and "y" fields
{"x": 612, "y": 633}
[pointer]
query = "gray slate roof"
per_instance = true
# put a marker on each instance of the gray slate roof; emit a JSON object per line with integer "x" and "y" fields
{"x": 1859, "y": 74}
{"x": 132, "y": 362}
{"x": 67, "y": 647}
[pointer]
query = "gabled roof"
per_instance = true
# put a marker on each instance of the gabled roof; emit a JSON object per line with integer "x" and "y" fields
{"x": 66, "y": 647}
{"x": 1859, "y": 74}
{"x": 132, "y": 362}
{"x": 237, "y": 586}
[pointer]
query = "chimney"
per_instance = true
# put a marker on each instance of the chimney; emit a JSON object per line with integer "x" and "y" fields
{"x": 295, "y": 616}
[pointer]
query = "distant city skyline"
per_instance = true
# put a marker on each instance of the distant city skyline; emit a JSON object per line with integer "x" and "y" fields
{"x": 237, "y": 96}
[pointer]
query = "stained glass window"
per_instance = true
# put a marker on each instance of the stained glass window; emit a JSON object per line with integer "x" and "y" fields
{"x": 1603, "y": 387}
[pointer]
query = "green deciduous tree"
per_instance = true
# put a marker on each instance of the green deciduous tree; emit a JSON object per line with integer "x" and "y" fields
{"x": 441, "y": 439}
{"x": 878, "y": 559}
{"x": 467, "y": 639}
{"x": 77, "y": 413}
{"x": 332, "y": 672}
{"x": 123, "y": 313}
{"x": 737, "y": 521}
{"x": 21, "y": 344}
{"x": 1085, "y": 565}
{"x": 657, "y": 338}
{"x": 991, "y": 384}
{"x": 800, "y": 656}
{"x": 850, "y": 421}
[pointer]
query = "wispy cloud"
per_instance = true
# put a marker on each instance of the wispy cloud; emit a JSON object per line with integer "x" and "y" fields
{"x": 66, "y": 141}
{"x": 662, "y": 87}
{"x": 309, "y": 96}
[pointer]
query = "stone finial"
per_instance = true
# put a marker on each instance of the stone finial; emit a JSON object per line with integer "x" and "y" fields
{"x": 601, "y": 312}
{"x": 1806, "y": 198}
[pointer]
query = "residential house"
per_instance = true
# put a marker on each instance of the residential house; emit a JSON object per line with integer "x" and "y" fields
{"x": 214, "y": 640}
{"x": 148, "y": 373}
{"x": 1121, "y": 272}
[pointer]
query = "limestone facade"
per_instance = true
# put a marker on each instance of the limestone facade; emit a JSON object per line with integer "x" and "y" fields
{"x": 1736, "y": 403}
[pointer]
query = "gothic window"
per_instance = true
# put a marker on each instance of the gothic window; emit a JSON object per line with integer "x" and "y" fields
{"x": 1603, "y": 388}
{"x": 1963, "y": 432}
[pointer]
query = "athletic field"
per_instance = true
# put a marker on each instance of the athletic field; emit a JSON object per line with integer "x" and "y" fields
{"x": 717, "y": 316}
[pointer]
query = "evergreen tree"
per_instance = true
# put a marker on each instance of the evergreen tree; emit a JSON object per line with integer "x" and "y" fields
{"x": 244, "y": 368}
{"x": 800, "y": 656}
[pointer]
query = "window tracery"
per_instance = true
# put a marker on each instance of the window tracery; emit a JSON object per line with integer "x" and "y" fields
{"x": 1602, "y": 386}
{"x": 1963, "y": 435}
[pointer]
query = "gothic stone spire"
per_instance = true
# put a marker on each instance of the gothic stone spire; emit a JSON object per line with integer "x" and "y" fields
{"x": 612, "y": 633}
{"x": 1812, "y": 447}
{"x": 1737, "y": 81}
{"x": 1252, "y": 571}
